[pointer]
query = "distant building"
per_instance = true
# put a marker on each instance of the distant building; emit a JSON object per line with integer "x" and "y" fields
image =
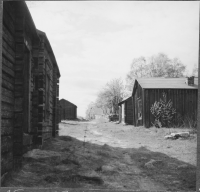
{"x": 183, "y": 93}
{"x": 67, "y": 110}
{"x": 126, "y": 111}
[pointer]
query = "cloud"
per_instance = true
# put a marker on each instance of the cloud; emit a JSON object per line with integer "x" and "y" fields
{"x": 94, "y": 42}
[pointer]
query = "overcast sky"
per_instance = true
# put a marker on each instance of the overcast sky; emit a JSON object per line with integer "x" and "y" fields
{"x": 96, "y": 41}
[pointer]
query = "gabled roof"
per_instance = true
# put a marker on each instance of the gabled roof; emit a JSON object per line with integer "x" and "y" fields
{"x": 66, "y": 101}
{"x": 50, "y": 50}
{"x": 166, "y": 83}
{"x": 125, "y": 99}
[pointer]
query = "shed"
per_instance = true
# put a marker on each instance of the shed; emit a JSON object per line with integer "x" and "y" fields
{"x": 183, "y": 92}
{"x": 126, "y": 111}
{"x": 68, "y": 110}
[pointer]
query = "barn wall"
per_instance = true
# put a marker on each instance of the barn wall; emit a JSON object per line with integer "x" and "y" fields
{"x": 46, "y": 78}
{"x": 17, "y": 84}
{"x": 68, "y": 110}
{"x": 29, "y": 88}
{"x": 184, "y": 101}
{"x": 138, "y": 106}
{"x": 25, "y": 40}
{"x": 55, "y": 101}
{"x": 120, "y": 113}
{"x": 129, "y": 111}
{"x": 7, "y": 97}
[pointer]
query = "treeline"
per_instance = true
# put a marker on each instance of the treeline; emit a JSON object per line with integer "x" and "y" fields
{"x": 115, "y": 91}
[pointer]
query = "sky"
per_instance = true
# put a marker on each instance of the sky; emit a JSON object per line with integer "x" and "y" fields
{"x": 96, "y": 41}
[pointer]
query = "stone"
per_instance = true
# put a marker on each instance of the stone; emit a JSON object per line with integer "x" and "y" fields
{"x": 152, "y": 163}
{"x": 107, "y": 168}
{"x": 184, "y": 166}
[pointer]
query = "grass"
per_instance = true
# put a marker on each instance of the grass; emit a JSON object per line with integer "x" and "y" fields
{"x": 75, "y": 169}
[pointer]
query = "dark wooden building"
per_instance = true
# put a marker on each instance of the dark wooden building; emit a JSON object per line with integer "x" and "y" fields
{"x": 29, "y": 88}
{"x": 126, "y": 111}
{"x": 67, "y": 110}
{"x": 181, "y": 91}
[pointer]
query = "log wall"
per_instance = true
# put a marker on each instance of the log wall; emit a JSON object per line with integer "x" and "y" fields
{"x": 7, "y": 89}
{"x": 29, "y": 89}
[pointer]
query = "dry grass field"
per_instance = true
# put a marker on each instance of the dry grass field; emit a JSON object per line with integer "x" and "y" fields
{"x": 105, "y": 155}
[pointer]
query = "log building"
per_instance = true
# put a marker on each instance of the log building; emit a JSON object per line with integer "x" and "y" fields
{"x": 29, "y": 88}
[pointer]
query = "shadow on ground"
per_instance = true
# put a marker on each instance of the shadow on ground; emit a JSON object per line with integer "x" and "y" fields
{"x": 69, "y": 163}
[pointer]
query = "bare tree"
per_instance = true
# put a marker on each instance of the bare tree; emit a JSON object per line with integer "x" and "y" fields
{"x": 155, "y": 66}
{"x": 195, "y": 71}
{"x": 111, "y": 95}
{"x": 89, "y": 111}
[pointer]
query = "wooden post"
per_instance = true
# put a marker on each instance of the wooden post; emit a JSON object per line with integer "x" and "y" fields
{"x": 198, "y": 123}
{"x": 1, "y": 23}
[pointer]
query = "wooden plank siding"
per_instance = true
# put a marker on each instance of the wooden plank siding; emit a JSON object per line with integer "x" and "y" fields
{"x": 184, "y": 101}
{"x": 7, "y": 89}
{"x": 46, "y": 73}
{"x": 129, "y": 111}
{"x": 138, "y": 106}
{"x": 67, "y": 110}
{"x": 29, "y": 86}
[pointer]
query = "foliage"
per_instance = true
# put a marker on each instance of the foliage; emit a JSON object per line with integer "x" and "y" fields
{"x": 195, "y": 71}
{"x": 189, "y": 121}
{"x": 155, "y": 66}
{"x": 89, "y": 111}
{"x": 109, "y": 97}
{"x": 163, "y": 112}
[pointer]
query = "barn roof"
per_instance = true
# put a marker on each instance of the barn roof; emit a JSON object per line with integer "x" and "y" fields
{"x": 125, "y": 99}
{"x": 64, "y": 100}
{"x": 50, "y": 50}
{"x": 166, "y": 83}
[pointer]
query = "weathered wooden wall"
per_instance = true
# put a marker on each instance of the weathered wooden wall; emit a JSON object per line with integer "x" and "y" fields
{"x": 29, "y": 89}
{"x": 46, "y": 75}
{"x": 138, "y": 104}
{"x": 8, "y": 84}
{"x": 56, "y": 77}
{"x": 129, "y": 111}
{"x": 184, "y": 101}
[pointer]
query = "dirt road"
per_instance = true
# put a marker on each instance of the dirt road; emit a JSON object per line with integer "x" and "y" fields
{"x": 126, "y": 136}
{"x": 104, "y": 155}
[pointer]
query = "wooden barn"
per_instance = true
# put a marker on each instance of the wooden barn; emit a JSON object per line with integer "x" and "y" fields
{"x": 126, "y": 111}
{"x": 29, "y": 78}
{"x": 67, "y": 110}
{"x": 183, "y": 92}
{"x": 135, "y": 110}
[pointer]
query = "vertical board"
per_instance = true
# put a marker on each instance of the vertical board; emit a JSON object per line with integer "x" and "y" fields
{"x": 183, "y": 100}
{"x": 1, "y": 24}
